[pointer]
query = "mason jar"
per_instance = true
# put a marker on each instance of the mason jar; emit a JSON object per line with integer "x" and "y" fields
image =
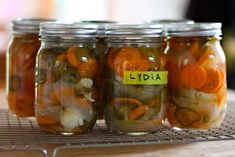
{"x": 67, "y": 78}
{"x": 21, "y": 57}
{"x": 135, "y": 78}
{"x": 196, "y": 76}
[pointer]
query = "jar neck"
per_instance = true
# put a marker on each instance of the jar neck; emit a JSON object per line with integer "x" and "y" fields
{"x": 136, "y": 41}
{"x": 66, "y": 42}
{"x": 26, "y": 35}
{"x": 180, "y": 42}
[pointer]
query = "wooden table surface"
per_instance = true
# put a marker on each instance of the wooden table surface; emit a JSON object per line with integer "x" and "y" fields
{"x": 224, "y": 148}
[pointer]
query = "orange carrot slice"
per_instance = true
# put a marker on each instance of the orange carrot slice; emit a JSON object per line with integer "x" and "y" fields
{"x": 193, "y": 76}
{"x": 62, "y": 57}
{"x": 129, "y": 59}
{"x": 221, "y": 95}
{"x": 213, "y": 80}
{"x": 126, "y": 101}
{"x": 154, "y": 102}
{"x": 89, "y": 68}
{"x": 72, "y": 59}
{"x": 56, "y": 93}
{"x": 127, "y": 54}
{"x": 83, "y": 103}
{"x": 137, "y": 112}
{"x": 47, "y": 120}
{"x": 209, "y": 52}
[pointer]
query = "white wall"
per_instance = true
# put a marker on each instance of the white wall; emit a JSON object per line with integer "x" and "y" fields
{"x": 146, "y": 10}
{"x": 76, "y": 10}
{"x": 120, "y": 10}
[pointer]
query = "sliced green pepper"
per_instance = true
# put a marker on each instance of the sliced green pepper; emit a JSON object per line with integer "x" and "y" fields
{"x": 206, "y": 118}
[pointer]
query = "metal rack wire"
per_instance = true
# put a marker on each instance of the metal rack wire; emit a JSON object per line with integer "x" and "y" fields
{"x": 17, "y": 134}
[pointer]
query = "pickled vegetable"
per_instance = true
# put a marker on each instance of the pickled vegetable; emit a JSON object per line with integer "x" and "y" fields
{"x": 197, "y": 83}
{"x": 21, "y": 64}
{"x": 65, "y": 99}
{"x": 134, "y": 109}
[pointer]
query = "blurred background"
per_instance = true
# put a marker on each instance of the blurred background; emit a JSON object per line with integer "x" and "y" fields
{"x": 128, "y": 11}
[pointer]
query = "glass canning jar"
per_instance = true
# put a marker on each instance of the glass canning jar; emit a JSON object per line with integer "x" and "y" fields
{"x": 67, "y": 78}
{"x": 196, "y": 76}
{"x": 21, "y": 57}
{"x": 135, "y": 78}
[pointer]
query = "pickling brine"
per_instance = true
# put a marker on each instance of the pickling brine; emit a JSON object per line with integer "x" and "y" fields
{"x": 67, "y": 79}
{"x": 197, "y": 76}
{"x": 135, "y": 80}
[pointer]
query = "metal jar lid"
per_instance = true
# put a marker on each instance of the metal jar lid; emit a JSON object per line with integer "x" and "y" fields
{"x": 197, "y": 29}
{"x": 173, "y": 21}
{"x": 22, "y": 25}
{"x": 134, "y": 30}
{"x": 58, "y": 29}
{"x": 100, "y": 25}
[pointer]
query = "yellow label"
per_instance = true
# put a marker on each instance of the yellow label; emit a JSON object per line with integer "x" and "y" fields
{"x": 145, "y": 77}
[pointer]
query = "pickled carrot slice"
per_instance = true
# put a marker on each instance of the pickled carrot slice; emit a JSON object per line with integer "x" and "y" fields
{"x": 126, "y": 101}
{"x": 137, "y": 112}
{"x": 89, "y": 69}
{"x": 127, "y": 54}
{"x": 221, "y": 96}
{"x": 193, "y": 76}
{"x": 62, "y": 57}
{"x": 154, "y": 102}
{"x": 47, "y": 120}
{"x": 209, "y": 52}
{"x": 72, "y": 59}
{"x": 129, "y": 59}
{"x": 83, "y": 103}
{"x": 213, "y": 80}
{"x": 157, "y": 121}
{"x": 58, "y": 92}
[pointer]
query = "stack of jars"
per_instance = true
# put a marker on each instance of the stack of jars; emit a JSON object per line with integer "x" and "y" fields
{"x": 147, "y": 75}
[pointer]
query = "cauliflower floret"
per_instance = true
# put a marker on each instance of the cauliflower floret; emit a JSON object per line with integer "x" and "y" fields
{"x": 86, "y": 82}
{"x": 71, "y": 118}
{"x": 89, "y": 97}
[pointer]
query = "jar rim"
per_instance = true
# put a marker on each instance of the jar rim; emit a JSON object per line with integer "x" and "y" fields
{"x": 61, "y": 29}
{"x": 140, "y": 30}
{"x": 173, "y": 21}
{"x": 27, "y": 25}
{"x": 196, "y": 29}
{"x": 100, "y": 25}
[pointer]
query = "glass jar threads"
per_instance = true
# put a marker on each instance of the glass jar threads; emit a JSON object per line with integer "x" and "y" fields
{"x": 68, "y": 77}
{"x": 135, "y": 78}
{"x": 196, "y": 76}
{"x": 21, "y": 57}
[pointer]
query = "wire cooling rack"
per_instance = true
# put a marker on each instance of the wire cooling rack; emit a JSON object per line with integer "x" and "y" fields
{"x": 17, "y": 134}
